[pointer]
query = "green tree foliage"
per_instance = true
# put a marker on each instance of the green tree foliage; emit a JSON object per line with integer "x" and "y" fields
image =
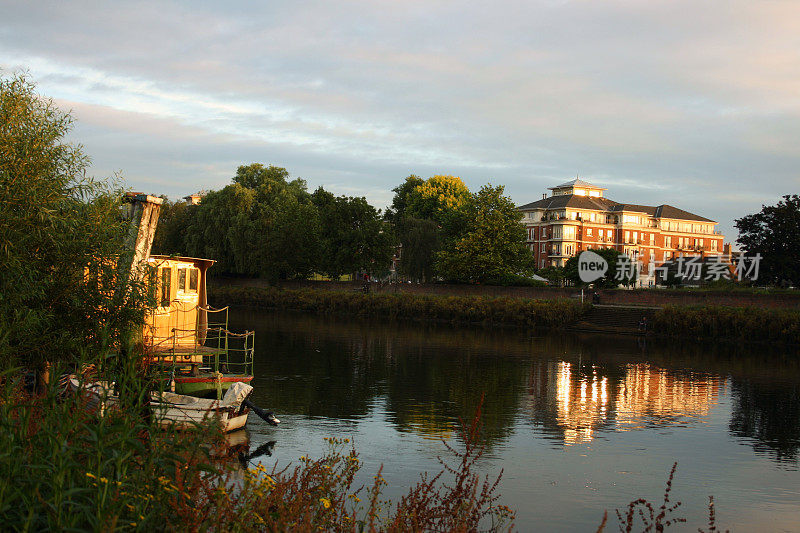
{"x": 173, "y": 222}
{"x": 774, "y": 232}
{"x": 61, "y": 240}
{"x": 418, "y": 209}
{"x": 436, "y": 197}
{"x": 255, "y": 175}
{"x": 608, "y": 281}
{"x": 353, "y": 237}
{"x": 421, "y": 241}
{"x": 269, "y": 228}
{"x": 402, "y": 194}
{"x": 484, "y": 239}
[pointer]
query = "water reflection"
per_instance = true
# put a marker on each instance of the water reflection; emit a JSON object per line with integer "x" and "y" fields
{"x": 573, "y": 388}
{"x": 768, "y": 416}
{"x": 652, "y": 395}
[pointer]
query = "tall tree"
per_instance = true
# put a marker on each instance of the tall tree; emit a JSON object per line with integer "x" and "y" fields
{"x": 256, "y": 175}
{"x": 354, "y": 237}
{"x": 402, "y": 195}
{"x": 436, "y": 197}
{"x": 484, "y": 239}
{"x": 421, "y": 241}
{"x": 774, "y": 232}
{"x": 170, "y": 238}
{"x": 61, "y": 240}
{"x": 268, "y": 227}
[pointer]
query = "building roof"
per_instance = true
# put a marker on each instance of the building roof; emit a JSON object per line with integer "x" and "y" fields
{"x": 668, "y": 211}
{"x": 571, "y": 200}
{"x": 649, "y": 209}
{"x": 606, "y": 204}
{"x": 577, "y": 182}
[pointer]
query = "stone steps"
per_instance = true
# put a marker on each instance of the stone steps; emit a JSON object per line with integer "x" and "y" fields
{"x": 614, "y": 318}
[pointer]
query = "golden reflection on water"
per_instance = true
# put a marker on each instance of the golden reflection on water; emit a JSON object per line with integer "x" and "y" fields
{"x": 585, "y": 399}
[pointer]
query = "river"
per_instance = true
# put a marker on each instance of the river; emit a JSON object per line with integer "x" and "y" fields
{"x": 578, "y": 423}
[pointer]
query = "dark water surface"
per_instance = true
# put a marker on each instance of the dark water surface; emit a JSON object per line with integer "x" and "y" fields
{"x": 578, "y": 423}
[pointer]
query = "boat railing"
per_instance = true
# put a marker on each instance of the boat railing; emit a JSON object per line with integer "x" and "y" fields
{"x": 209, "y": 346}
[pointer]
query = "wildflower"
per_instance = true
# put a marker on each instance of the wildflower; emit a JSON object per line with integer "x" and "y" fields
{"x": 90, "y": 475}
{"x": 325, "y": 502}
{"x": 104, "y": 480}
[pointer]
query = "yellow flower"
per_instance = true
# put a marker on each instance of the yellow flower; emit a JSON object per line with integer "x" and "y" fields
{"x": 89, "y": 474}
{"x": 325, "y": 502}
{"x": 104, "y": 480}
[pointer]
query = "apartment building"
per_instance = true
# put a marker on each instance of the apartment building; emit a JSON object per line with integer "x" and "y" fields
{"x": 577, "y": 216}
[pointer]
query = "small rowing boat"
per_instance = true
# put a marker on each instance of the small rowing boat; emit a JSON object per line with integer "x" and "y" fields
{"x": 179, "y": 411}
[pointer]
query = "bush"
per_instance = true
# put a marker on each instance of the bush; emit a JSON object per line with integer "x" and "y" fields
{"x": 745, "y": 324}
{"x": 523, "y": 312}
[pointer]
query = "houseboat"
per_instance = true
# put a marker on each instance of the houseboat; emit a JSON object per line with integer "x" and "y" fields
{"x": 188, "y": 340}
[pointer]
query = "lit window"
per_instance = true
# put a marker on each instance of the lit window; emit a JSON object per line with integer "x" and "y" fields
{"x": 194, "y": 276}
{"x": 165, "y": 294}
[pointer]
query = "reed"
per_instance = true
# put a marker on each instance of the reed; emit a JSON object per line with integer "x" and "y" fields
{"x": 506, "y": 311}
{"x": 742, "y": 324}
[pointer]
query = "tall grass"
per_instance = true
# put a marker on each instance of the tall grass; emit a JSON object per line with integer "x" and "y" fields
{"x": 64, "y": 468}
{"x": 743, "y": 324}
{"x": 523, "y": 312}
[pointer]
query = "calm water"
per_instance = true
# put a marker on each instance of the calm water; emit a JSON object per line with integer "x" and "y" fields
{"x": 578, "y": 423}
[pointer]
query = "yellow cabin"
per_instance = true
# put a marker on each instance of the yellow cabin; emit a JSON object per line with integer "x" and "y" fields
{"x": 180, "y": 318}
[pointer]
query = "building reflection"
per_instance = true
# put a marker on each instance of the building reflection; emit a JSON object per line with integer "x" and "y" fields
{"x": 573, "y": 401}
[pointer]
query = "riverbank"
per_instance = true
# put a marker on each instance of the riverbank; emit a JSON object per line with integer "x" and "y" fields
{"x": 498, "y": 311}
{"x": 728, "y": 297}
{"x": 746, "y": 324}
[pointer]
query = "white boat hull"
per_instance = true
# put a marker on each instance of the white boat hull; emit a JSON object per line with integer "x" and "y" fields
{"x": 175, "y": 411}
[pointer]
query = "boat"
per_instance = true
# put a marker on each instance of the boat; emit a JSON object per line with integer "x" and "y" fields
{"x": 189, "y": 340}
{"x": 177, "y": 411}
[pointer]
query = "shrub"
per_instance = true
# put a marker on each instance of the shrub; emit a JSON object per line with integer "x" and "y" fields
{"x": 746, "y": 324}
{"x": 522, "y": 312}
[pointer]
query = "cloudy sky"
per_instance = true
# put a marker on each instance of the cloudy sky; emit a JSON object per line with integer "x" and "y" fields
{"x": 694, "y": 104}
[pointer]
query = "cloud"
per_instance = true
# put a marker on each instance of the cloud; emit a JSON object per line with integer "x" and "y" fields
{"x": 692, "y": 104}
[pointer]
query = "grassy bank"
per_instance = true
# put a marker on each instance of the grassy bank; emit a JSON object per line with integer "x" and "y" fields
{"x": 506, "y": 311}
{"x": 742, "y": 324}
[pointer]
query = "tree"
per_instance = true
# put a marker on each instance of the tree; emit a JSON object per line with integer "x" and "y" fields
{"x": 353, "y": 236}
{"x": 420, "y": 239}
{"x": 260, "y": 225}
{"x": 402, "y": 194}
{"x": 436, "y": 197}
{"x": 173, "y": 221}
{"x": 774, "y": 232}
{"x": 256, "y": 175}
{"x": 61, "y": 241}
{"x": 484, "y": 239}
{"x": 607, "y": 281}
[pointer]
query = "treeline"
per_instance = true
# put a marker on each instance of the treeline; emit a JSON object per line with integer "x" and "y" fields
{"x": 264, "y": 224}
{"x": 267, "y": 225}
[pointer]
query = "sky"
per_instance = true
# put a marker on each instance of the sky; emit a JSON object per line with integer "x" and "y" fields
{"x": 692, "y": 104}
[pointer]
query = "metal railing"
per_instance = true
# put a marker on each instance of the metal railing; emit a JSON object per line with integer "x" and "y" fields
{"x": 211, "y": 348}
